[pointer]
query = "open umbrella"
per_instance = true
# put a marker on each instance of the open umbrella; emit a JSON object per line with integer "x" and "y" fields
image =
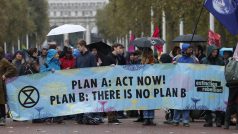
{"x": 101, "y": 47}
{"x": 224, "y": 49}
{"x": 188, "y": 39}
{"x": 147, "y": 42}
{"x": 67, "y": 28}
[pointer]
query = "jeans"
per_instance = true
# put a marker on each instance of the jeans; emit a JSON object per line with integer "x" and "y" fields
{"x": 185, "y": 115}
{"x": 149, "y": 114}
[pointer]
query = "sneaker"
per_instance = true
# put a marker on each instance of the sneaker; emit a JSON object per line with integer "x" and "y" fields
{"x": 186, "y": 124}
{"x": 114, "y": 121}
{"x": 2, "y": 121}
{"x": 218, "y": 124}
{"x": 168, "y": 122}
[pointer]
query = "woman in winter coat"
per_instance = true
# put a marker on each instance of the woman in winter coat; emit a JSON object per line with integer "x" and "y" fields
{"x": 52, "y": 61}
{"x": 20, "y": 63}
{"x": 32, "y": 60}
{"x": 7, "y": 70}
{"x": 68, "y": 61}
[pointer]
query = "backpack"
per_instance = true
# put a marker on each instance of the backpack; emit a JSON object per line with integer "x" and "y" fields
{"x": 231, "y": 70}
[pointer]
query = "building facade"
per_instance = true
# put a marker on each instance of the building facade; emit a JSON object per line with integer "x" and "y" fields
{"x": 80, "y": 12}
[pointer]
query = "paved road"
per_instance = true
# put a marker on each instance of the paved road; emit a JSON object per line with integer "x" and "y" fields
{"x": 127, "y": 127}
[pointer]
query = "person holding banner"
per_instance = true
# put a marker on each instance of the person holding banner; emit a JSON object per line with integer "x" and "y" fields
{"x": 20, "y": 63}
{"x": 68, "y": 61}
{"x": 86, "y": 59}
{"x": 213, "y": 58}
{"x": 7, "y": 70}
{"x": 52, "y": 63}
{"x": 112, "y": 60}
{"x": 186, "y": 57}
{"x": 199, "y": 52}
{"x": 148, "y": 58}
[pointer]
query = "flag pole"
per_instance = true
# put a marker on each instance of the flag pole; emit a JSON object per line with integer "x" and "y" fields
{"x": 195, "y": 29}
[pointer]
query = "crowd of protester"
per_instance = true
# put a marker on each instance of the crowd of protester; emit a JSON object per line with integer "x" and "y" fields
{"x": 50, "y": 58}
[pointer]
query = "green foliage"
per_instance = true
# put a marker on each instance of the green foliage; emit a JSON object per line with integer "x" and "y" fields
{"x": 21, "y": 17}
{"x": 121, "y": 16}
{"x": 39, "y": 15}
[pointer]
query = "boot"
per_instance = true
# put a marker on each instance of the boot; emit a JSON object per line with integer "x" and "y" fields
{"x": 146, "y": 122}
{"x": 2, "y": 121}
{"x": 208, "y": 119}
{"x": 227, "y": 117}
{"x": 218, "y": 123}
{"x": 208, "y": 124}
{"x": 151, "y": 122}
{"x": 226, "y": 125}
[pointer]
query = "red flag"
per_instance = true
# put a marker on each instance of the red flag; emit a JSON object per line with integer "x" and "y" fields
{"x": 156, "y": 32}
{"x": 159, "y": 47}
{"x": 131, "y": 47}
{"x": 214, "y": 39}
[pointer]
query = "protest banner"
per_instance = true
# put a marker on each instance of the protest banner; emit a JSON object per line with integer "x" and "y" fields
{"x": 129, "y": 87}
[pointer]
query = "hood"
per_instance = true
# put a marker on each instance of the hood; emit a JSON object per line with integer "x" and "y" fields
{"x": 20, "y": 52}
{"x": 185, "y": 47}
{"x": 210, "y": 49}
{"x": 1, "y": 53}
{"x": 50, "y": 55}
{"x": 165, "y": 58}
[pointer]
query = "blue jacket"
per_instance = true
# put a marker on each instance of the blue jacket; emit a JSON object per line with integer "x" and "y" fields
{"x": 51, "y": 63}
{"x": 186, "y": 59}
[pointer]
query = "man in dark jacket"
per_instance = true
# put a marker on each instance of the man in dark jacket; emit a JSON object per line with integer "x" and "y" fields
{"x": 85, "y": 59}
{"x": 112, "y": 60}
{"x": 121, "y": 61}
{"x": 213, "y": 59}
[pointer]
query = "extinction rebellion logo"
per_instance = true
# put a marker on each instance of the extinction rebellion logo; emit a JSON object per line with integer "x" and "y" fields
{"x": 28, "y": 96}
{"x": 225, "y": 6}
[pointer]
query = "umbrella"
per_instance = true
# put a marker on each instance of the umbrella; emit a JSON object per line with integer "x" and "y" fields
{"x": 188, "y": 39}
{"x": 222, "y": 50}
{"x": 101, "y": 47}
{"x": 147, "y": 42}
{"x": 67, "y": 28}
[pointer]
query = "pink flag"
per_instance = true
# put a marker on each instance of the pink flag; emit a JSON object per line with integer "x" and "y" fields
{"x": 235, "y": 56}
{"x": 214, "y": 39}
{"x": 131, "y": 47}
